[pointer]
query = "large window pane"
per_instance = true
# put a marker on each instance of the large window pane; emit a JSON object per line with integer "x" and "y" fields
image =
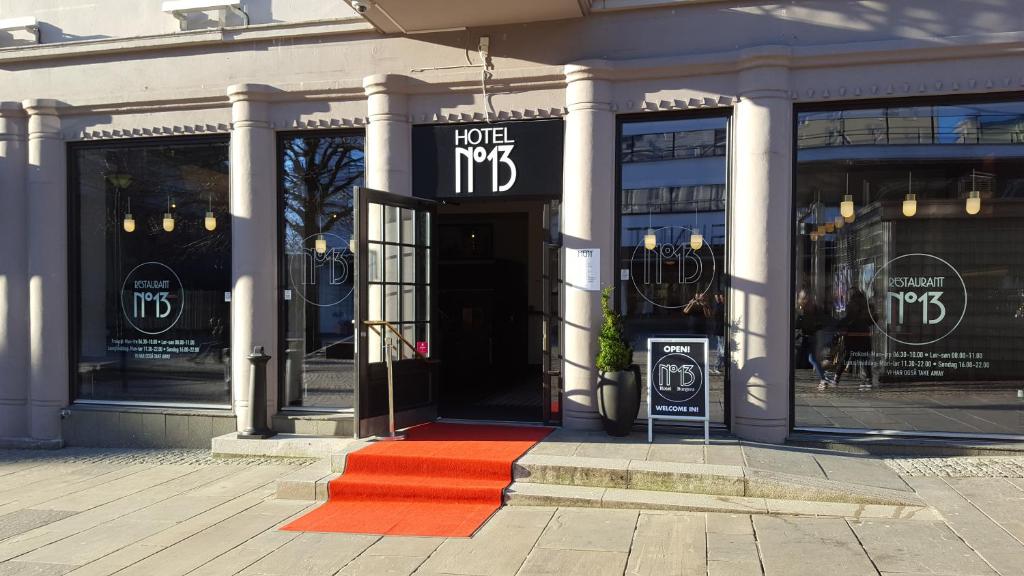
{"x": 909, "y": 309}
{"x": 154, "y": 266}
{"x": 318, "y": 174}
{"x": 673, "y": 187}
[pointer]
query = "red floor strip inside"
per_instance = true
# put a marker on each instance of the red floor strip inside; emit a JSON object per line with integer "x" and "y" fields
{"x": 441, "y": 480}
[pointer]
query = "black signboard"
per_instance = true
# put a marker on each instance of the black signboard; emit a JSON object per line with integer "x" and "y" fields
{"x": 677, "y": 380}
{"x": 495, "y": 160}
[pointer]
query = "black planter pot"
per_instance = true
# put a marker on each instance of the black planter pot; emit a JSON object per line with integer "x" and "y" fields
{"x": 618, "y": 400}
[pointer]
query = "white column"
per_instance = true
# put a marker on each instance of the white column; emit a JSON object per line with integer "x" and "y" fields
{"x": 588, "y": 214}
{"x": 388, "y": 135}
{"x": 253, "y": 241}
{"x": 762, "y": 221}
{"x": 46, "y": 189}
{"x": 13, "y": 273}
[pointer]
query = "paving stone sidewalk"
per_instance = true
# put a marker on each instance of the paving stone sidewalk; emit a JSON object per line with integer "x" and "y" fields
{"x": 155, "y": 513}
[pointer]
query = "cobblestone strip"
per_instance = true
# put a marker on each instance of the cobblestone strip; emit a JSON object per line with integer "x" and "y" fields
{"x": 154, "y": 456}
{"x": 960, "y": 467}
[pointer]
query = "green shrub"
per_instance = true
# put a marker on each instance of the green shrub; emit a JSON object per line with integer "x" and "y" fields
{"x": 613, "y": 352}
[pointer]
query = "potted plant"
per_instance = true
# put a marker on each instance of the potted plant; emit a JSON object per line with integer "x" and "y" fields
{"x": 618, "y": 384}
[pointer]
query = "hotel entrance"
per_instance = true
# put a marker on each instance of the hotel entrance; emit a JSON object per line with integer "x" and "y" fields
{"x": 498, "y": 310}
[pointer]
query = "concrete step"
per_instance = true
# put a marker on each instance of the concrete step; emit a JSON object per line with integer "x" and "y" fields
{"x": 531, "y": 494}
{"x": 314, "y": 423}
{"x": 705, "y": 479}
{"x": 905, "y": 446}
{"x": 283, "y": 446}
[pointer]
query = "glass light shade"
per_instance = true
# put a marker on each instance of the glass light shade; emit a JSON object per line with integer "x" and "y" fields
{"x": 352, "y": 245}
{"x": 839, "y": 222}
{"x": 210, "y": 221}
{"x": 650, "y": 239}
{"x": 320, "y": 245}
{"x": 129, "y": 222}
{"x": 814, "y": 236}
{"x": 973, "y": 202}
{"x": 846, "y": 206}
{"x": 696, "y": 240}
{"x": 168, "y": 222}
{"x": 850, "y": 218}
{"x": 910, "y": 205}
{"x": 830, "y": 228}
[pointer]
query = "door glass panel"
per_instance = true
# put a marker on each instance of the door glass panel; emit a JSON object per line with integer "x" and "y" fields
{"x": 375, "y": 263}
{"x": 408, "y": 303}
{"x": 408, "y": 226}
{"x": 391, "y": 224}
{"x": 672, "y": 284}
{"x": 318, "y": 174}
{"x": 408, "y": 264}
{"x": 392, "y": 311}
{"x": 391, "y": 263}
{"x": 374, "y": 223}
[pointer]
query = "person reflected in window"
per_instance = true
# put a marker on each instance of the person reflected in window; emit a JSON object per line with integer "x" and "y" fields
{"x": 808, "y": 323}
{"x": 853, "y": 346}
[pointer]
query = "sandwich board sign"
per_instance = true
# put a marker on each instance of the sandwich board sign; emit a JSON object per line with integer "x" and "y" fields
{"x": 677, "y": 382}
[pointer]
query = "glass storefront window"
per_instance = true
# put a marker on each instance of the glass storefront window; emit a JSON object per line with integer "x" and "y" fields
{"x": 672, "y": 282}
{"x": 910, "y": 298}
{"x": 153, "y": 270}
{"x": 318, "y": 173}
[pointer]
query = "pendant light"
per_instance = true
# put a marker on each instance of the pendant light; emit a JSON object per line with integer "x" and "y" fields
{"x": 320, "y": 244}
{"x": 973, "y": 198}
{"x": 910, "y": 202}
{"x": 129, "y": 221}
{"x": 168, "y": 217}
{"x": 839, "y": 222}
{"x": 210, "y": 221}
{"x": 846, "y": 206}
{"x": 830, "y": 227}
{"x": 696, "y": 238}
{"x": 650, "y": 238}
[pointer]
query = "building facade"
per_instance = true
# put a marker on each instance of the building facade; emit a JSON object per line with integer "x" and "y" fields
{"x": 827, "y": 191}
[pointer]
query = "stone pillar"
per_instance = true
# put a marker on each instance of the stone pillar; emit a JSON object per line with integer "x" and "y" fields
{"x": 254, "y": 273}
{"x": 47, "y": 269}
{"x": 388, "y": 135}
{"x": 761, "y": 300}
{"x": 588, "y": 214}
{"x": 13, "y": 273}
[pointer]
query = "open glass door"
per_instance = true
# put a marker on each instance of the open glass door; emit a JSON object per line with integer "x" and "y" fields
{"x": 395, "y": 306}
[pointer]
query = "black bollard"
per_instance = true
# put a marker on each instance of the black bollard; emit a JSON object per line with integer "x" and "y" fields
{"x": 256, "y": 426}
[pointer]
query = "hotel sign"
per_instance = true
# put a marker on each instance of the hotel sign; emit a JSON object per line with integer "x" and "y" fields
{"x": 677, "y": 381}
{"x": 495, "y": 160}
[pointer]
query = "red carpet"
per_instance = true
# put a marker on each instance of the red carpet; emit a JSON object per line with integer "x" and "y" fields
{"x": 442, "y": 480}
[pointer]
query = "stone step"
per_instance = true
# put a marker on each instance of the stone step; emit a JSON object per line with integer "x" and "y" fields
{"x": 905, "y": 446}
{"x": 314, "y": 423}
{"x": 531, "y": 494}
{"x": 283, "y": 446}
{"x": 705, "y": 479}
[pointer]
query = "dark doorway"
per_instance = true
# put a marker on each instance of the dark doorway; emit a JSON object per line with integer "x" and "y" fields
{"x": 490, "y": 300}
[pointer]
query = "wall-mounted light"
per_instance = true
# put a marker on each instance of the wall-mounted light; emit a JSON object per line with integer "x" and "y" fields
{"x": 129, "y": 221}
{"x": 210, "y": 221}
{"x": 320, "y": 245}
{"x": 168, "y": 217}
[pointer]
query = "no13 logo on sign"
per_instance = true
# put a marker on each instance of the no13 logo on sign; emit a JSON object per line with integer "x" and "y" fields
{"x": 481, "y": 145}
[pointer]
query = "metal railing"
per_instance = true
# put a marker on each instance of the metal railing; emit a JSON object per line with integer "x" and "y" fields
{"x": 388, "y": 346}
